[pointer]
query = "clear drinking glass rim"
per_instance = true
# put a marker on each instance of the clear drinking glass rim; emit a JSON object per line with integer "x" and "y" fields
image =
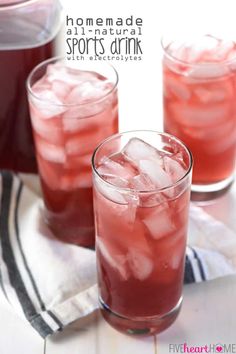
{"x": 172, "y": 57}
{"x": 58, "y": 58}
{"x": 132, "y": 190}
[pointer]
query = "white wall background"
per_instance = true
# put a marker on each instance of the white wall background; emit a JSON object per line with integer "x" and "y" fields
{"x": 140, "y": 86}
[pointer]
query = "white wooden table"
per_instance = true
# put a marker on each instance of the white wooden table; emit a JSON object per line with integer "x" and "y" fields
{"x": 208, "y": 317}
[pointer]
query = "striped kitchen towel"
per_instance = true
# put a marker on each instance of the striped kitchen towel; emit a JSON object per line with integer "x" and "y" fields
{"x": 51, "y": 292}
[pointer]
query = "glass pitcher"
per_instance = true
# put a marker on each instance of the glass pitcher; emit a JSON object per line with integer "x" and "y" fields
{"x": 28, "y": 29}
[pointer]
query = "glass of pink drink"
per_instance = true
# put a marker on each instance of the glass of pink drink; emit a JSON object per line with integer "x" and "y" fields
{"x": 141, "y": 185}
{"x": 199, "y": 106}
{"x": 72, "y": 110}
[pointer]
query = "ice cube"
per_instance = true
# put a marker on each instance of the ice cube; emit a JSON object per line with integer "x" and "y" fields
{"x": 78, "y": 162}
{"x": 174, "y": 66}
{"x": 81, "y": 94}
{"x": 227, "y": 141}
{"x": 196, "y": 49}
{"x": 178, "y": 50}
{"x": 142, "y": 183}
{"x": 215, "y": 49}
{"x": 117, "y": 261}
{"x": 108, "y": 167}
{"x": 208, "y": 71}
{"x": 149, "y": 196}
{"x": 215, "y": 93}
{"x": 49, "y": 129}
{"x": 159, "y": 222}
{"x": 49, "y": 174}
{"x": 208, "y": 42}
{"x": 200, "y": 46}
{"x": 87, "y": 110}
{"x": 88, "y": 91}
{"x": 196, "y": 116}
{"x": 109, "y": 219}
{"x": 174, "y": 248}
{"x": 207, "y": 96}
{"x": 175, "y": 259}
{"x": 137, "y": 149}
{"x": 76, "y": 179}
{"x": 60, "y": 89}
{"x": 124, "y": 203}
{"x": 47, "y": 103}
{"x": 193, "y": 54}
{"x": 111, "y": 193}
{"x": 173, "y": 168}
{"x": 72, "y": 123}
{"x": 50, "y": 152}
{"x": 78, "y": 145}
{"x": 132, "y": 198}
{"x": 152, "y": 199}
{"x": 87, "y": 95}
{"x": 80, "y": 77}
{"x": 223, "y": 50}
{"x": 141, "y": 264}
{"x": 191, "y": 50}
{"x": 56, "y": 68}
{"x": 155, "y": 172}
{"x": 87, "y": 84}
{"x": 181, "y": 53}
{"x": 71, "y": 116}
{"x": 116, "y": 181}
{"x": 177, "y": 89}
{"x": 41, "y": 84}
{"x": 85, "y": 142}
{"x": 60, "y": 72}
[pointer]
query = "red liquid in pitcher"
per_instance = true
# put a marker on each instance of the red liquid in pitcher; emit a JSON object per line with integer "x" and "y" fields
{"x": 16, "y": 141}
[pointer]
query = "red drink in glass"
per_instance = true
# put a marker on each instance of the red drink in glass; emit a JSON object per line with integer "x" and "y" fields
{"x": 72, "y": 110}
{"x": 141, "y": 198}
{"x": 199, "y": 106}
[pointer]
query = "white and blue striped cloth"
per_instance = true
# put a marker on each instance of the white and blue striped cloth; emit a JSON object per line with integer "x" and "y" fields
{"x": 51, "y": 284}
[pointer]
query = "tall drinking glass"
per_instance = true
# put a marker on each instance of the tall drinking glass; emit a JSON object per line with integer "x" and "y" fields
{"x": 199, "y": 106}
{"x": 142, "y": 185}
{"x": 73, "y": 107}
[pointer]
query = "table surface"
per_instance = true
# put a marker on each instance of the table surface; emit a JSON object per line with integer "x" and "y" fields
{"x": 208, "y": 316}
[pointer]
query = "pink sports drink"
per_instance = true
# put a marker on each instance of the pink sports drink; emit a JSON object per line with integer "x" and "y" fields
{"x": 141, "y": 201}
{"x": 199, "y": 106}
{"x": 72, "y": 110}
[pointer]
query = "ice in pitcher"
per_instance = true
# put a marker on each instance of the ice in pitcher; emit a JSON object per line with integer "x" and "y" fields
{"x": 141, "y": 214}
{"x": 199, "y": 103}
{"x": 72, "y": 111}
